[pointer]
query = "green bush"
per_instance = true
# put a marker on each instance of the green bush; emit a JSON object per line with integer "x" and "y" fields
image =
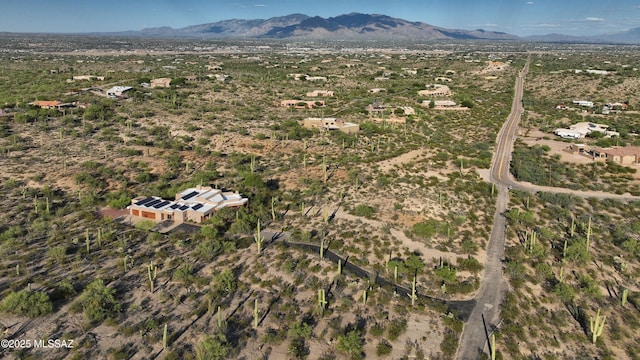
{"x": 427, "y": 228}
{"x": 383, "y": 348}
{"x": 352, "y": 344}
{"x": 98, "y": 301}
{"x": 212, "y": 348}
{"x": 25, "y": 302}
{"x": 364, "y": 210}
{"x": 396, "y": 328}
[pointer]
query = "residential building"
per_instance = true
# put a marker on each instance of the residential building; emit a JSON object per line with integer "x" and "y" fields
{"x": 437, "y": 90}
{"x": 301, "y": 104}
{"x": 444, "y": 104}
{"x": 376, "y": 108}
{"x": 47, "y": 104}
{"x": 316, "y": 93}
{"x": 582, "y": 129}
{"x": 331, "y": 124}
{"x": 583, "y": 103}
{"x": 298, "y": 76}
{"x": 193, "y": 204}
{"x": 218, "y": 77}
{"x": 88, "y": 77}
{"x": 408, "y": 110}
{"x": 598, "y": 72}
{"x": 161, "y": 83}
{"x": 617, "y": 106}
{"x": 376, "y": 90}
{"x": 316, "y": 78}
{"x": 627, "y": 155}
{"x": 118, "y": 91}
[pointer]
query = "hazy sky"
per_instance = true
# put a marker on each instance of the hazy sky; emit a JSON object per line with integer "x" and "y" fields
{"x": 571, "y": 17}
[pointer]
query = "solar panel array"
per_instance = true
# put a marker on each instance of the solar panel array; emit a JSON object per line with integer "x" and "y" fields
{"x": 164, "y": 203}
{"x": 197, "y": 206}
{"x": 144, "y": 201}
{"x": 153, "y": 202}
{"x": 190, "y": 195}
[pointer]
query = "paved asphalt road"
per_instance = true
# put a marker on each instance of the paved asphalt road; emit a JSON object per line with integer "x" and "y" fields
{"x": 474, "y": 340}
{"x": 493, "y": 287}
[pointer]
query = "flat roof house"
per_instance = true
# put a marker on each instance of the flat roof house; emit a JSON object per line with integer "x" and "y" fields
{"x": 301, "y": 104}
{"x": 118, "y": 91}
{"x": 193, "y": 204}
{"x": 316, "y": 93}
{"x": 161, "y": 83}
{"x": 47, "y": 104}
{"x": 331, "y": 124}
{"x": 627, "y": 155}
{"x": 435, "y": 90}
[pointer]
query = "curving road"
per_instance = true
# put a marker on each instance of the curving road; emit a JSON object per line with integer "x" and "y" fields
{"x": 493, "y": 287}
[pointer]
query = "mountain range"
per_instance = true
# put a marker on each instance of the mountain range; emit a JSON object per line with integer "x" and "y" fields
{"x": 357, "y": 26}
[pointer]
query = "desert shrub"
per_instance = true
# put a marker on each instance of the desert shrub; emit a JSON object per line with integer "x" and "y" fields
{"x": 383, "y": 348}
{"x": 98, "y": 301}
{"x": 145, "y": 225}
{"x": 184, "y": 274}
{"x": 63, "y": 290}
{"x": 300, "y": 329}
{"x": 449, "y": 344}
{"x": 427, "y": 229}
{"x": 25, "y": 302}
{"x": 212, "y": 348}
{"x": 396, "y": 328}
{"x": 351, "y": 343}
{"x": 364, "y": 210}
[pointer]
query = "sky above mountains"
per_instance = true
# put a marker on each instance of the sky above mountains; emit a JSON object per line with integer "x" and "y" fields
{"x": 518, "y": 17}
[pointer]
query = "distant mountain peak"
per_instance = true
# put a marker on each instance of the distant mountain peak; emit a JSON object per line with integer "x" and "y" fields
{"x": 300, "y": 26}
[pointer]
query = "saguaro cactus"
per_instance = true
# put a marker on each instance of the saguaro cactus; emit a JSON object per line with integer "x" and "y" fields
{"x": 164, "y": 337}
{"x": 273, "y": 208}
{"x": 395, "y": 273}
{"x": 256, "y": 314}
{"x": 322, "y": 301}
{"x": 493, "y": 346}
{"x": 152, "y": 272}
{"x": 573, "y": 226}
{"x": 596, "y": 326}
{"x": 324, "y": 169}
{"x": 258, "y": 238}
{"x": 220, "y": 322}
{"x": 588, "y": 234}
{"x": 253, "y": 163}
{"x": 625, "y": 293}
{"x": 413, "y": 295}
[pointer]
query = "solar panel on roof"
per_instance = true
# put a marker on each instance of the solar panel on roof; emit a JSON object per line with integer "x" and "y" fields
{"x": 197, "y": 206}
{"x": 184, "y": 207}
{"x": 190, "y": 195}
{"x": 174, "y": 206}
{"x": 144, "y": 201}
{"x": 151, "y": 203}
{"x": 164, "y": 203}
